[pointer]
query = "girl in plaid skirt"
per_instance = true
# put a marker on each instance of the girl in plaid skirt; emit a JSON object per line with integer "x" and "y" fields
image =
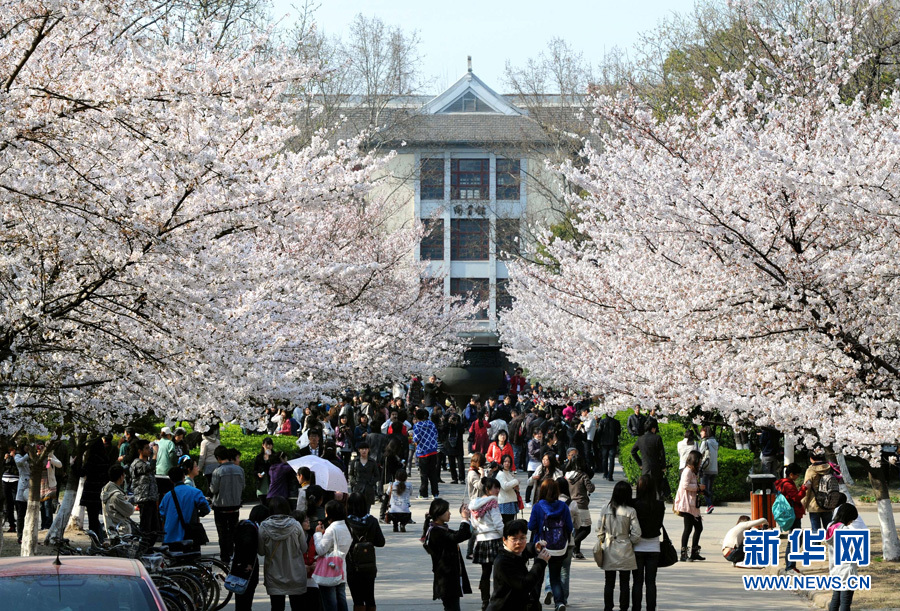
{"x": 487, "y": 524}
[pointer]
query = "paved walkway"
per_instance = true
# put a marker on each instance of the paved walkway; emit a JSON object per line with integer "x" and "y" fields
{"x": 405, "y": 577}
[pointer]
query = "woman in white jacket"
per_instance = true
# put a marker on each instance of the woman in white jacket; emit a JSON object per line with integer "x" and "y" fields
{"x": 487, "y": 525}
{"x": 336, "y": 536}
{"x": 508, "y": 498}
{"x": 619, "y": 531}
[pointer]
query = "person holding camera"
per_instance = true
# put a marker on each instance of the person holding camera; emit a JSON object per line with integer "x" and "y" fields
{"x": 515, "y": 586}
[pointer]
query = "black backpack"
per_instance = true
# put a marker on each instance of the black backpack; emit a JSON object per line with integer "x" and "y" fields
{"x": 362, "y": 554}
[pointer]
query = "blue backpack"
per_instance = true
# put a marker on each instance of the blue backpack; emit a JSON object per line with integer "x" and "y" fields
{"x": 554, "y": 532}
{"x": 783, "y": 512}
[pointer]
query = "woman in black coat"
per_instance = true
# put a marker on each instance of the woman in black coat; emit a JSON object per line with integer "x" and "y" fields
{"x": 453, "y": 448}
{"x": 447, "y": 564}
{"x": 245, "y": 562}
{"x": 362, "y": 527}
{"x": 96, "y": 476}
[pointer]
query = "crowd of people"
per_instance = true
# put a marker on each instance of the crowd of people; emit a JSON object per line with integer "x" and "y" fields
{"x": 551, "y": 446}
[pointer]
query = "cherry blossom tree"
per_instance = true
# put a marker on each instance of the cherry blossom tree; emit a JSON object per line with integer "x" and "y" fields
{"x": 164, "y": 250}
{"x": 740, "y": 255}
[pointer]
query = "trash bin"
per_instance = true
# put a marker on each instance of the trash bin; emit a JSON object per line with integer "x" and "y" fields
{"x": 762, "y": 496}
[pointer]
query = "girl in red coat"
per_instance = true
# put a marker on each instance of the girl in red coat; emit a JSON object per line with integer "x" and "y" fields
{"x": 788, "y": 487}
{"x": 499, "y": 449}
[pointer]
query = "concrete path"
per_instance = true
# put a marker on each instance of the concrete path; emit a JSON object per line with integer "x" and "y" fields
{"x": 405, "y": 577}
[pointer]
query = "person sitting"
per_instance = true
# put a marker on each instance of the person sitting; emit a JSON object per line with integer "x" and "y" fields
{"x": 178, "y": 508}
{"x": 515, "y": 586}
{"x": 117, "y": 510}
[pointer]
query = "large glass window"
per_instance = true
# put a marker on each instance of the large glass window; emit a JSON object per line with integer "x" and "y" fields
{"x": 432, "y": 246}
{"x": 478, "y": 289}
{"x": 507, "y": 238}
{"x": 504, "y": 299}
{"x": 508, "y": 179}
{"x": 470, "y": 179}
{"x": 431, "y": 183}
{"x": 470, "y": 239}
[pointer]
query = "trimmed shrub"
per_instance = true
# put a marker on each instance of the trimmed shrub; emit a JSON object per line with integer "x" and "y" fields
{"x": 734, "y": 465}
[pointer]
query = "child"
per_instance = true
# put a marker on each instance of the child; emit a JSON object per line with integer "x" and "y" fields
{"x": 534, "y": 461}
{"x": 473, "y": 488}
{"x": 844, "y": 517}
{"x": 450, "y": 578}
{"x": 399, "y": 513}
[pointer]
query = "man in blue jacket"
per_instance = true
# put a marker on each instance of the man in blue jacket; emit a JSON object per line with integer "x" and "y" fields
{"x": 189, "y": 501}
{"x": 426, "y": 439}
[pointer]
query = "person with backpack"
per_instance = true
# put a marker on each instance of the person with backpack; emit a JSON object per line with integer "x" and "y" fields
{"x": 709, "y": 464}
{"x": 822, "y": 496}
{"x": 515, "y": 586}
{"x": 361, "y": 567}
{"x": 844, "y": 517}
{"x": 487, "y": 524}
{"x": 332, "y": 537}
{"x": 788, "y": 488}
{"x": 619, "y": 532}
{"x": 281, "y": 541}
{"x": 650, "y": 512}
{"x": 686, "y": 506}
{"x": 245, "y": 563}
{"x": 551, "y": 522}
{"x": 450, "y": 579}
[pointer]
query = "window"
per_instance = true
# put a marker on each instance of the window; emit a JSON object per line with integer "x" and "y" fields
{"x": 431, "y": 248}
{"x": 508, "y": 179}
{"x": 504, "y": 299}
{"x": 470, "y": 179}
{"x": 468, "y": 102}
{"x": 470, "y": 239}
{"x": 507, "y": 238}
{"x": 478, "y": 289}
{"x": 431, "y": 179}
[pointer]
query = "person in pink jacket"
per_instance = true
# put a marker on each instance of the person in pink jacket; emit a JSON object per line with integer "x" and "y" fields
{"x": 686, "y": 506}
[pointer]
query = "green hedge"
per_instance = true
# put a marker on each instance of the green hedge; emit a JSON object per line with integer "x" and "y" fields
{"x": 734, "y": 465}
{"x": 249, "y": 446}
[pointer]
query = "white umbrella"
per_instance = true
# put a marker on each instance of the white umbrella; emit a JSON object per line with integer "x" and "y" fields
{"x": 328, "y": 476}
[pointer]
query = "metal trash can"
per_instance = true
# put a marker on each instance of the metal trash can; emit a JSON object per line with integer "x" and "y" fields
{"x": 762, "y": 496}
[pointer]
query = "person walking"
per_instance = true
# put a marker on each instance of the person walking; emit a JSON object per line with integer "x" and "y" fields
{"x": 637, "y": 423}
{"x": 227, "y": 488}
{"x": 580, "y": 487}
{"x": 96, "y": 475}
{"x": 589, "y": 425}
{"x": 607, "y": 438}
{"x": 333, "y": 535}
{"x": 453, "y": 448}
{"x": 551, "y": 522}
{"x": 245, "y": 563}
{"x": 450, "y": 579}
{"x": 487, "y": 523}
{"x": 841, "y": 599}
{"x": 49, "y": 492}
{"x": 500, "y": 448}
{"x": 709, "y": 464}
{"x": 509, "y": 489}
{"x": 425, "y": 436}
{"x": 685, "y": 447}
{"x": 480, "y": 438}
{"x": 686, "y": 506}
{"x": 788, "y": 487}
{"x": 619, "y": 531}
{"x": 10, "y": 484}
{"x": 650, "y": 455}
{"x": 361, "y": 568}
{"x": 534, "y": 461}
{"x": 281, "y": 542}
{"x": 816, "y": 501}
{"x": 515, "y": 586}
{"x": 518, "y": 429}
{"x": 474, "y": 490}
{"x": 280, "y": 474}
{"x": 650, "y": 512}
{"x": 146, "y": 493}
{"x": 180, "y": 507}
{"x": 392, "y": 463}
{"x": 549, "y": 469}
{"x": 364, "y": 475}
{"x": 208, "y": 445}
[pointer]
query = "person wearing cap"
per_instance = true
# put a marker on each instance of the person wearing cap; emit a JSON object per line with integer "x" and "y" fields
{"x": 166, "y": 457}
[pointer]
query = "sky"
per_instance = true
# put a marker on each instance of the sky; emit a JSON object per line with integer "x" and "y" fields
{"x": 494, "y": 31}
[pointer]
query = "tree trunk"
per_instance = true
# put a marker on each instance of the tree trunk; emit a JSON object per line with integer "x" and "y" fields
{"x": 73, "y": 486}
{"x": 33, "y": 513}
{"x": 788, "y": 450}
{"x": 890, "y": 543}
{"x": 76, "y": 517}
{"x": 845, "y": 470}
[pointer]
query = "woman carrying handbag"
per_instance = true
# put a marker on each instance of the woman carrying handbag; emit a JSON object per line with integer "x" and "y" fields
{"x": 332, "y": 544}
{"x": 619, "y": 531}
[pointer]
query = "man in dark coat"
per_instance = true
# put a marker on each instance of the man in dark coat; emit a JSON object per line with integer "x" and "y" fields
{"x": 636, "y": 422}
{"x": 608, "y": 442}
{"x": 650, "y": 454}
{"x": 246, "y": 562}
{"x": 450, "y": 578}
